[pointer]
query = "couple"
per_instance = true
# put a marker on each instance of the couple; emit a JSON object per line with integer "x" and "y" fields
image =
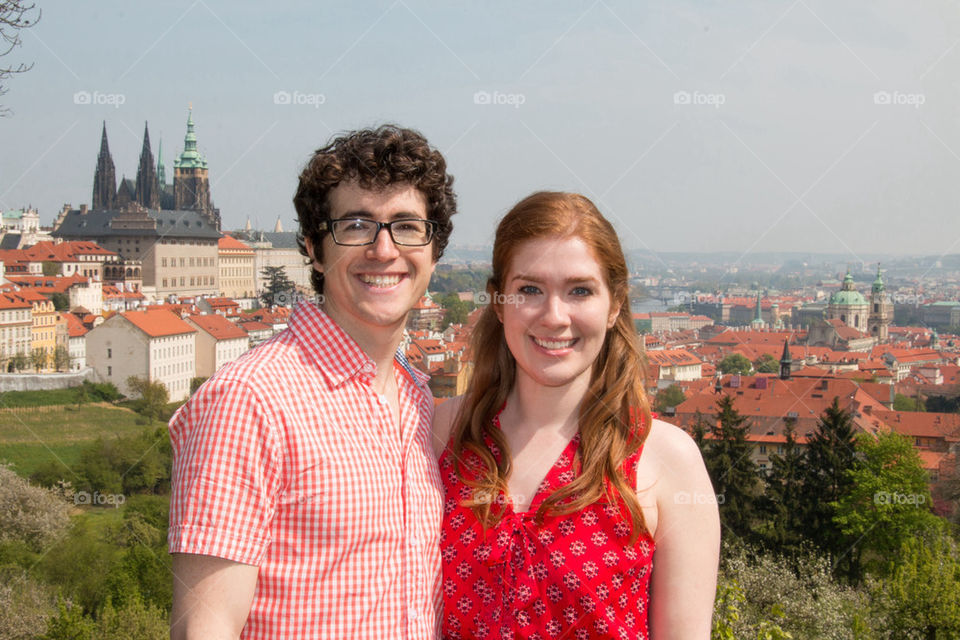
{"x": 308, "y": 501}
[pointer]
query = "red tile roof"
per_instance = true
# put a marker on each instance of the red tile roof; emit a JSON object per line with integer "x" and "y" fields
{"x": 218, "y": 326}
{"x": 158, "y": 322}
{"x": 75, "y": 327}
{"x": 230, "y": 243}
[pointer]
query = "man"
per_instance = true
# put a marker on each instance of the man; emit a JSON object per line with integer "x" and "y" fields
{"x": 306, "y": 499}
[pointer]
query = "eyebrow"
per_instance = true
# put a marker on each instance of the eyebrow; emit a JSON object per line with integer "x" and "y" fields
{"x": 367, "y": 215}
{"x": 575, "y": 280}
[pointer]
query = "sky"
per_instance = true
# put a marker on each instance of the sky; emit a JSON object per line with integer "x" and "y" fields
{"x": 794, "y": 125}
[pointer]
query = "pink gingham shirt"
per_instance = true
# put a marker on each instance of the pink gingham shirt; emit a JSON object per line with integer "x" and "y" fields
{"x": 289, "y": 460}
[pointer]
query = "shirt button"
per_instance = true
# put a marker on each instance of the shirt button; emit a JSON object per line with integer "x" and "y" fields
{"x": 412, "y": 614}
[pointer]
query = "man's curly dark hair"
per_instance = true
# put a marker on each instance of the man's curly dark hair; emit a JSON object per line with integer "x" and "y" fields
{"x": 375, "y": 159}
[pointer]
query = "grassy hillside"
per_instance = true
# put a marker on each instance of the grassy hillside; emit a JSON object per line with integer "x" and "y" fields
{"x": 30, "y": 438}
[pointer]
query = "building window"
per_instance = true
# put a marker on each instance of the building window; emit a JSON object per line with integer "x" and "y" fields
{"x": 109, "y": 353}
{"x": 109, "y": 371}
{"x": 763, "y": 448}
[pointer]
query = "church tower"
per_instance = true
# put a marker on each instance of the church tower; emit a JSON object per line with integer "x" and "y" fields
{"x": 786, "y": 362}
{"x": 881, "y": 309}
{"x": 105, "y": 177}
{"x": 191, "y": 178}
{"x": 148, "y": 188}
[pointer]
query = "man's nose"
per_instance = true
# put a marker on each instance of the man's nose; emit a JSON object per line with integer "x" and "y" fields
{"x": 383, "y": 247}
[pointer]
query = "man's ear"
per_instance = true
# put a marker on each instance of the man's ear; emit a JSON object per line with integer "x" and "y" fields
{"x": 317, "y": 265}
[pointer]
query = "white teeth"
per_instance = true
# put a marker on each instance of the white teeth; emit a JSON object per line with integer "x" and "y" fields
{"x": 380, "y": 281}
{"x": 554, "y": 344}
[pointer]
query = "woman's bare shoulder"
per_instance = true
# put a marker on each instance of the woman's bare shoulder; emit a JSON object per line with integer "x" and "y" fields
{"x": 443, "y": 417}
{"x": 670, "y": 443}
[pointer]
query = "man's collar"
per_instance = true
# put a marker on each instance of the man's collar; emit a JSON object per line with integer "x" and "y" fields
{"x": 338, "y": 355}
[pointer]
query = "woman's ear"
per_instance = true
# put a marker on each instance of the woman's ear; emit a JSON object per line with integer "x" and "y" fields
{"x": 612, "y": 320}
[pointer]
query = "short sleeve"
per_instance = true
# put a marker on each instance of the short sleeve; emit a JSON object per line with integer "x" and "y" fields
{"x": 227, "y": 470}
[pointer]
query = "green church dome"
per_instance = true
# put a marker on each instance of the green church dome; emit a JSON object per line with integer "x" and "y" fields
{"x": 848, "y": 296}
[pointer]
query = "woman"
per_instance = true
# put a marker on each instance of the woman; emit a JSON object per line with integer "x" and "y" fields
{"x": 561, "y": 492}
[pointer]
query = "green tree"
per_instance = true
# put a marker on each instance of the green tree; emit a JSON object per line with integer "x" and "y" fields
{"x": 733, "y": 472}
{"x": 153, "y": 396}
{"x": 830, "y": 455}
{"x": 82, "y": 394}
{"x": 279, "y": 289}
{"x": 20, "y": 361}
{"x": 887, "y": 501}
{"x": 69, "y": 624}
{"x": 906, "y": 403}
{"x": 455, "y": 309}
{"x": 61, "y": 358}
{"x": 766, "y": 364}
{"x": 782, "y": 502}
{"x": 921, "y": 598}
{"x": 196, "y": 382}
{"x": 38, "y": 358}
{"x": 735, "y": 363}
{"x": 671, "y": 396}
{"x": 61, "y": 301}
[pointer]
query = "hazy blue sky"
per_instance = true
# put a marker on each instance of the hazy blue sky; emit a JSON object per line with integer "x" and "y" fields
{"x": 694, "y": 125}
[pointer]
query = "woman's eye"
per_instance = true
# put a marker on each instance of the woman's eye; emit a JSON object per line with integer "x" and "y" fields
{"x": 528, "y": 289}
{"x": 581, "y": 291}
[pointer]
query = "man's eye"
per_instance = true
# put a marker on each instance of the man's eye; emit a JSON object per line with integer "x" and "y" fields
{"x": 355, "y": 225}
{"x": 407, "y": 226}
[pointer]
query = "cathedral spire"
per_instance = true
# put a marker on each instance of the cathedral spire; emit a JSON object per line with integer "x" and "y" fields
{"x": 105, "y": 177}
{"x": 148, "y": 189}
{"x": 161, "y": 170}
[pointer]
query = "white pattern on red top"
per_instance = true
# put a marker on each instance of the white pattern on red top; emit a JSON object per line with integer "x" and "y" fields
{"x": 289, "y": 460}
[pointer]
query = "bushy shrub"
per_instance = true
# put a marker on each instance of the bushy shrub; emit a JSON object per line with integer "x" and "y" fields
{"x": 798, "y": 595}
{"x": 30, "y": 514}
{"x": 25, "y": 605}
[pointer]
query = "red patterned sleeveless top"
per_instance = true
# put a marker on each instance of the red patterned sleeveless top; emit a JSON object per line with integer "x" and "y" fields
{"x": 573, "y": 576}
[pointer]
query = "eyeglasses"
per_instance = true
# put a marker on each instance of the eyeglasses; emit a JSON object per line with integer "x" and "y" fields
{"x": 356, "y": 232}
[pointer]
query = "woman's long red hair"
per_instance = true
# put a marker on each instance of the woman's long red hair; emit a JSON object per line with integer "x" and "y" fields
{"x": 614, "y": 415}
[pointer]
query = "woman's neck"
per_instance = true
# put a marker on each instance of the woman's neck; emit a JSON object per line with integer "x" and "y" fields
{"x": 534, "y": 407}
